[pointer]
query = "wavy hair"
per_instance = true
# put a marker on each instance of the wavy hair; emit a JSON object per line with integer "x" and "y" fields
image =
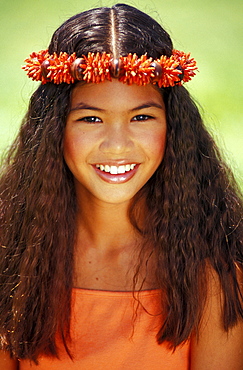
{"x": 194, "y": 207}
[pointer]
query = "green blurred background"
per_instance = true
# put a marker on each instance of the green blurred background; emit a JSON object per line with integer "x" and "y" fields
{"x": 211, "y": 30}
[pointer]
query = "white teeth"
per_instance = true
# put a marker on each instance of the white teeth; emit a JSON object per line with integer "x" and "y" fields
{"x": 114, "y": 170}
{"x": 121, "y": 169}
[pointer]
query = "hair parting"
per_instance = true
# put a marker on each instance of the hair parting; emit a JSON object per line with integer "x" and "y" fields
{"x": 114, "y": 40}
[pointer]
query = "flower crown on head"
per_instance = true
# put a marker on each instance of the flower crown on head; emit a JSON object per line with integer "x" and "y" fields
{"x": 98, "y": 67}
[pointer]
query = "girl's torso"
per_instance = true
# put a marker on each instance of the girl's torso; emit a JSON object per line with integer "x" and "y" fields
{"x": 112, "y": 330}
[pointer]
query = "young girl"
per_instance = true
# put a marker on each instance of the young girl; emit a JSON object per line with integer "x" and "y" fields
{"x": 121, "y": 228}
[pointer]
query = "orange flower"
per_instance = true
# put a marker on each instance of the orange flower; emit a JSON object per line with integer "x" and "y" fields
{"x": 96, "y": 68}
{"x": 45, "y": 67}
{"x": 187, "y": 64}
{"x": 136, "y": 70}
{"x": 170, "y": 73}
{"x": 60, "y": 67}
{"x": 33, "y": 65}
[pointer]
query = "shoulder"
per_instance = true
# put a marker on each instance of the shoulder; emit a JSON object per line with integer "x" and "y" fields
{"x": 213, "y": 347}
{"x": 6, "y": 362}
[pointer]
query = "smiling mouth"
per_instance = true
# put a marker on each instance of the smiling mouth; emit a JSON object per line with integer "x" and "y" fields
{"x": 116, "y": 170}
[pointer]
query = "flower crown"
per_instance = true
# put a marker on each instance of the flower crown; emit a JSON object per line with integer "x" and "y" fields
{"x": 98, "y": 67}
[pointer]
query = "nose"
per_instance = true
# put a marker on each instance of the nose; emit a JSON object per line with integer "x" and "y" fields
{"x": 117, "y": 140}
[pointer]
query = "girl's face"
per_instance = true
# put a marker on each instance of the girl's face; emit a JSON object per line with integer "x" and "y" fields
{"x": 114, "y": 139}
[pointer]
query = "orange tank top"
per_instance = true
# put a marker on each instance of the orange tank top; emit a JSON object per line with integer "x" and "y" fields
{"x": 110, "y": 330}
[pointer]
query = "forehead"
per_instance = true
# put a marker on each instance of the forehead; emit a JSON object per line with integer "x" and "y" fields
{"x": 113, "y": 94}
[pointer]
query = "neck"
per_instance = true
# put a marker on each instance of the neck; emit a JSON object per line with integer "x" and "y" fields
{"x": 105, "y": 226}
{"x": 108, "y": 250}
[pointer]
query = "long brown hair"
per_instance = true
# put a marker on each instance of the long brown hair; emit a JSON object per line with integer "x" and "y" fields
{"x": 194, "y": 208}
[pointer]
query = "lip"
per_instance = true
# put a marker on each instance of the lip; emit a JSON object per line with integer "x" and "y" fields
{"x": 117, "y": 178}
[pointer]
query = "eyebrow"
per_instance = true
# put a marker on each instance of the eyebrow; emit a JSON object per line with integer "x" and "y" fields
{"x": 149, "y": 104}
{"x": 86, "y": 106}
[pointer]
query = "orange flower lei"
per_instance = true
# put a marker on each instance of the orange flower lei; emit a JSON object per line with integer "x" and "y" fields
{"x": 98, "y": 67}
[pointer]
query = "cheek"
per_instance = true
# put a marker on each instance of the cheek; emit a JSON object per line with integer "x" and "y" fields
{"x": 72, "y": 149}
{"x": 160, "y": 142}
{"x": 156, "y": 143}
{"x": 68, "y": 148}
{"x": 74, "y": 144}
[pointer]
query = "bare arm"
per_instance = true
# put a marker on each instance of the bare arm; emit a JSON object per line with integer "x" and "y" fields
{"x": 6, "y": 363}
{"x": 215, "y": 349}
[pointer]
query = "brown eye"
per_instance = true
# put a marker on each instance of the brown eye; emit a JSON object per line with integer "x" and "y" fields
{"x": 90, "y": 119}
{"x": 142, "y": 117}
